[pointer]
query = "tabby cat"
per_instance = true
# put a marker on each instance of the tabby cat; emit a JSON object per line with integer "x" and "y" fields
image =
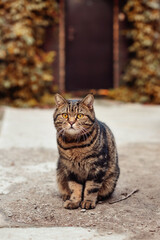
{"x": 87, "y": 169}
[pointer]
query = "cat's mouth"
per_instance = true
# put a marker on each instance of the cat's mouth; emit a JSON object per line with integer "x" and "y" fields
{"x": 72, "y": 130}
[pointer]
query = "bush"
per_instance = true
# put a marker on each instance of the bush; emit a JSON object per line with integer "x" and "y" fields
{"x": 142, "y": 76}
{"x": 25, "y": 68}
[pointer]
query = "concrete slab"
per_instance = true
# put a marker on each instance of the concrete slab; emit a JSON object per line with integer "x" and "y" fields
{"x": 60, "y": 233}
{"x": 2, "y": 221}
{"x": 27, "y": 128}
{"x": 131, "y": 122}
{"x": 17, "y": 166}
{"x": 33, "y": 128}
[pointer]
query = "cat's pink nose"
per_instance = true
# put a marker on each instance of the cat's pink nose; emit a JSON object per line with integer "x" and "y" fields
{"x": 71, "y": 122}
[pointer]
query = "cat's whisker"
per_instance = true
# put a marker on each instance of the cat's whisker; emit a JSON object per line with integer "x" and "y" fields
{"x": 61, "y": 132}
{"x": 85, "y": 132}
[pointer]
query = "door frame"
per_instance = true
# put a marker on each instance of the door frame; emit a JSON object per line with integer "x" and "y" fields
{"x": 62, "y": 45}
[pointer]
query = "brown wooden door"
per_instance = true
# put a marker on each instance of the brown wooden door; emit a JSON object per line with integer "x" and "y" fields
{"x": 89, "y": 44}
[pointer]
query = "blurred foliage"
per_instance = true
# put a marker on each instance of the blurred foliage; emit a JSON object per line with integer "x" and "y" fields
{"x": 142, "y": 76}
{"x": 127, "y": 94}
{"x": 26, "y": 77}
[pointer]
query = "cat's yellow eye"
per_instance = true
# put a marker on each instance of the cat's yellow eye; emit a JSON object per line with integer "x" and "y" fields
{"x": 80, "y": 115}
{"x": 65, "y": 115}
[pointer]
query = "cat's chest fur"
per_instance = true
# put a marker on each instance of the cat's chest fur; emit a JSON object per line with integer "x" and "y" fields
{"x": 75, "y": 161}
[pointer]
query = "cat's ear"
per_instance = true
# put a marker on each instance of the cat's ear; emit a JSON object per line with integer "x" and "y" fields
{"x": 59, "y": 100}
{"x": 88, "y": 100}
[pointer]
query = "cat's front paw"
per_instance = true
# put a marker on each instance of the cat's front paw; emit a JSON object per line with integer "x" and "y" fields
{"x": 69, "y": 204}
{"x": 65, "y": 197}
{"x": 88, "y": 204}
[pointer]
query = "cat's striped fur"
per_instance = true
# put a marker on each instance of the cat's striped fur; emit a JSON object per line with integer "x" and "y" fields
{"x": 88, "y": 162}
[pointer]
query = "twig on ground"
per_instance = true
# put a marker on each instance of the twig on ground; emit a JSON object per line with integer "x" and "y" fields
{"x": 124, "y": 198}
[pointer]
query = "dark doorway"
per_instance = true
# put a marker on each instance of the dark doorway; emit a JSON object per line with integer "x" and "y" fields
{"x": 51, "y": 44}
{"x": 89, "y": 44}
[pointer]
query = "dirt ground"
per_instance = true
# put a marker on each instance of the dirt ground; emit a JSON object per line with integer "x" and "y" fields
{"x": 32, "y": 199}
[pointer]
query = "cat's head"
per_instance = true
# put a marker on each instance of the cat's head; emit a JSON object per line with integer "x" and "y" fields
{"x": 74, "y": 117}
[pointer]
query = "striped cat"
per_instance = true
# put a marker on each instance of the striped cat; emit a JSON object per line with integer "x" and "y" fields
{"x": 87, "y": 169}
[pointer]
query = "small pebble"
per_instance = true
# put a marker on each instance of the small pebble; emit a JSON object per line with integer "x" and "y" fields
{"x": 152, "y": 230}
{"x": 92, "y": 213}
{"x": 83, "y": 210}
{"x": 10, "y": 214}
